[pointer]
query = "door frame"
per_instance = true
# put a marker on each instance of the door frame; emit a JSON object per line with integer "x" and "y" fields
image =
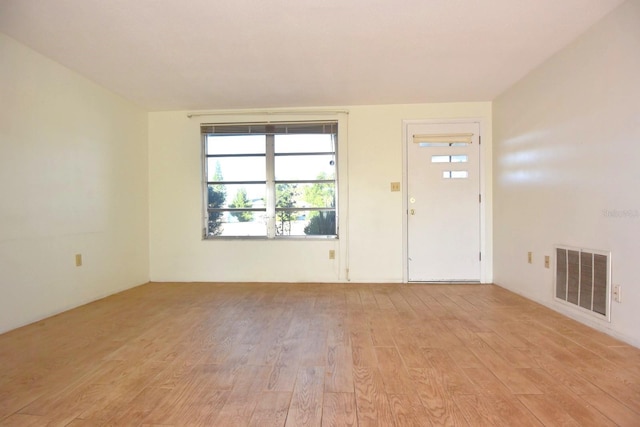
{"x": 486, "y": 264}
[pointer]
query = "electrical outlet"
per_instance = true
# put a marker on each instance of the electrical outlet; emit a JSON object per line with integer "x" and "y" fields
{"x": 78, "y": 260}
{"x": 547, "y": 261}
{"x": 617, "y": 297}
{"x": 395, "y": 186}
{"x": 332, "y": 254}
{"x": 530, "y": 257}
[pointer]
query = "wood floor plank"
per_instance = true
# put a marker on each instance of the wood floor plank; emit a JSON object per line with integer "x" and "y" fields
{"x": 372, "y": 403}
{"x": 367, "y": 299}
{"x": 112, "y": 384}
{"x": 440, "y": 335}
{"x": 401, "y": 305}
{"x": 271, "y": 410}
{"x": 381, "y": 334}
{"x": 510, "y": 376}
{"x": 570, "y": 402}
{"x": 382, "y": 298}
{"x": 452, "y": 378}
{"x": 227, "y": 354}
{"x": 408, "y": 411}
{"x": 306, "y": 403}
{"x": 512, "y": 355}
{"x": 466, "y": 332}
{"x": 547, "y": 411}
{"x": 464, "y": 357}
{"x": 352, "y": 296}
{"x": 198, "y": 398}
{"x": 613, "y": 409}
{"x": 619, "y": 388}
{"x": 437, "y": 400}
{"x": 392, "y": 370}
{"x": 285, "y": 369}
{"x": 512, "y": 332}
{"x": 248, "y": 386}
{"x": 362, "y": 350}
{"x": 35, "y": 383}
{"x": 419, "y": 308}
{"x": 314, "y": 352}
{"x": 413, "y": 356}
{"x": 495, "y": 410}
{"x": 339, "y": 370}
{"x": 558, "y": 363}
{"x": 23, "y": 420}
{"x": 339, "y": 410}
{"x": 274, "y": 334}
{"x": 337, "y": 327}
{"x": 137, "y": 411}
{"x": 486, "y": 383}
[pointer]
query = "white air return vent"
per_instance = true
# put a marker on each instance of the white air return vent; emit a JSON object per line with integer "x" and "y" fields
{"x": 583, "y": 279}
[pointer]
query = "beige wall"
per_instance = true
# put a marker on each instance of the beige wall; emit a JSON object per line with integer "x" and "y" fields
{"x": 371, "y": 223}
{"x": 566, "y": 155}
{"x": 73, "y": 179}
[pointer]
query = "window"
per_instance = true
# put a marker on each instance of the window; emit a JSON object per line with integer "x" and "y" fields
{"x": 273, "y": 180}
{"x": 455, "y": 174}
{"x": 458, "y": 158}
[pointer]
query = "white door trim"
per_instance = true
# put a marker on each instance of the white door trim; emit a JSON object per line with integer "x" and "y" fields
{"x": 485, "y": 220}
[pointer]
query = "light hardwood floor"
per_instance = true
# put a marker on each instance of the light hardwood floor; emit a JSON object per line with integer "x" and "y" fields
{"x": 309, "y": 355}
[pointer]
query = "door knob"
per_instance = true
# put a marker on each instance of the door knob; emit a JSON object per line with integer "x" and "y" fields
{"x": 413, "y": 211}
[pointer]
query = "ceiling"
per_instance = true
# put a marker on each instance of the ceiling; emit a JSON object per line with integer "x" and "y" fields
{"x": 224, "y": 54}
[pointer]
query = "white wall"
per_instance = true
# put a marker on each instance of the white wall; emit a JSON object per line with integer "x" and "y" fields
{"x": 567, "y": 149}
{"x": 73, "y": 179}
{"x": 371, "y": 216}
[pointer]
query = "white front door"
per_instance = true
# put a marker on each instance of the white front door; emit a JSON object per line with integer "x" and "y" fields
{"x": 443, "y": 202}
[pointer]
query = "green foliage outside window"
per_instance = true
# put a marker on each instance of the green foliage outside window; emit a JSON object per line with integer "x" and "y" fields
{"x": 216, "y": 196}
{"x": 286, "y": 195}
{"x": 321, "y": 194}
{"x": 242, "y": 201}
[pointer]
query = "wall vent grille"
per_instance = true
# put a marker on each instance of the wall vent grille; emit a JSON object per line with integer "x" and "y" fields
{"x": 582, "y": 279}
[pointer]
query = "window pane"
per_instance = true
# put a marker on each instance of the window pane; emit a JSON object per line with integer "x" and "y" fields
{"x": 237, "y": 223}
{"x": 237, "y": 196}
{"x": 305, "y": 167}
{"x": 244, "y": 223}
{"x": 460, "y": 158}
{"x": 455, "y": 174}
{"x": 318, "y": 195}
{"x": 236, "y": 144}
{"x": 236, "y": 169}
{"x": 440, "y": 159}
{"x": 305, "y": 223}
{"x": 288, "y": 196}
{"x": 314, "y": 143}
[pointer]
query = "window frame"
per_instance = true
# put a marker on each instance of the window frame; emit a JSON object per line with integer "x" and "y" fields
{"x": 270, "y": 210}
